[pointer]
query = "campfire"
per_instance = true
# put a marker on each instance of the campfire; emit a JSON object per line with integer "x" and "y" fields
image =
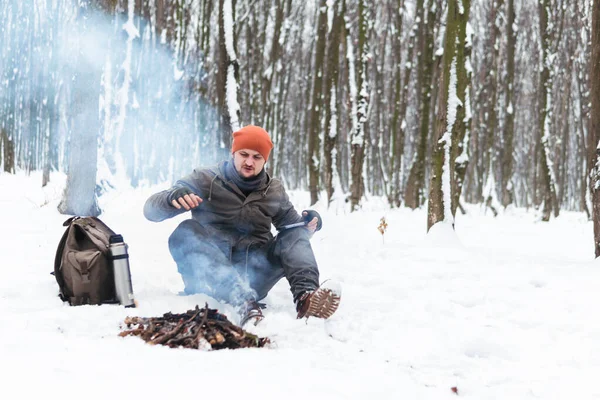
{"x": 201, "y": 328}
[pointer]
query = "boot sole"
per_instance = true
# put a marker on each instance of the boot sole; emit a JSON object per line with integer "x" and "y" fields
{"x": 323, "y": 303}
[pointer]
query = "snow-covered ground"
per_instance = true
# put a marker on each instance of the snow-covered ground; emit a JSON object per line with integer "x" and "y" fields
{"x": 504, "y": 309}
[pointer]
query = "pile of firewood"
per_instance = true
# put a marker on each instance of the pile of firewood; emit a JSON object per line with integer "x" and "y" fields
{"x": 201, "y": 328}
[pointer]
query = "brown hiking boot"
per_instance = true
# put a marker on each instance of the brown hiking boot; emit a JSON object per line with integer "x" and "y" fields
{"x": 321, "y": 303}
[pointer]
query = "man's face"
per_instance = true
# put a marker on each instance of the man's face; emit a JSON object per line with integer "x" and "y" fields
{"x": 248, "y": 163}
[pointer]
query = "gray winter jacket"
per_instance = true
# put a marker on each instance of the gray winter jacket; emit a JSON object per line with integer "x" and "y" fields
{"x": 225, "y": 210}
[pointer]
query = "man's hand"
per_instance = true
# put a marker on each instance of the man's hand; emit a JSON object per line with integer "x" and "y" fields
{"x": 314, "y": 220}
{"x": 184, "y": 197}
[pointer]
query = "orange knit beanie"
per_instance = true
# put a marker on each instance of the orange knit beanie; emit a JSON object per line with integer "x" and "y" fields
{"x": 253, "y": 138}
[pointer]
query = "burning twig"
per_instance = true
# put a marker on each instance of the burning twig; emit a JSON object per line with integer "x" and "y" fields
{"x": 201, "y": 328}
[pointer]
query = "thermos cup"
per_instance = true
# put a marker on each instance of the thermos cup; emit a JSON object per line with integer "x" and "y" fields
{"x": 120, "y": 261}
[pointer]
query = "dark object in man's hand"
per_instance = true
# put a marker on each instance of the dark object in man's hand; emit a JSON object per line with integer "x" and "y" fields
{"x": 310, "y": 214}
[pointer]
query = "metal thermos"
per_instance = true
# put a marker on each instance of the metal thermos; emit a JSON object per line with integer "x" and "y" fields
{"x": 120, "y": 261}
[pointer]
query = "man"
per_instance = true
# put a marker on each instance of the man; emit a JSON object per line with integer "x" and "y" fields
{"x": 227, "y": 250}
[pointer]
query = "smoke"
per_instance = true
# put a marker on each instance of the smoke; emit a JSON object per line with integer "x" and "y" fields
{"x": 206, "y": 272}
{"x": 69, "y": 68}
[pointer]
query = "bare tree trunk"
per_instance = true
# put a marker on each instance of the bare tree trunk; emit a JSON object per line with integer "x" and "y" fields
{"x": 415, "y": 186}
{"x": 274, "y": 59}
{"x": 316, "y": 109}
{"x": 442, "y": 169}
{"x": 227, "y": 75}
{"x": 8, "y": 147}
{"x": 547, "y": 172}
{"x": 595, "y": 120}
{"x": 490, "y": 189}
{"x": 336, "y": 38}
{"x": 509, "y": 119}
{"x": 450, "y": 128}
{"x": 461, "y": 130}
{"x": 398, "y": 123}
{"x": 79, "y": 197}
{"x": 359, "y": 140}
{"x": 282, "y": 90}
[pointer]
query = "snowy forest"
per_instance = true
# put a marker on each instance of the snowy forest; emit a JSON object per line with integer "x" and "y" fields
{"x": 425, "y": 102}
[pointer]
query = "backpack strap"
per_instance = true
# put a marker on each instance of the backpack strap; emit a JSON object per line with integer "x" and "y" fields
{"x": 57, "y": 258}
{"x": 97, "y": 231}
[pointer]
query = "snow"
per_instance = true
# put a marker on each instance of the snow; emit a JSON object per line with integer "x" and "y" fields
{"x": 228, "y": 28}
{"x": 333, "y": 120}
{"x": 469, "y": 36}
{"x": 453, "y": 104}
{"x": 330, "y": 12}
{"x": 233, "y": 106}
{"x": 353, "y": 89}
{"x": 177, "y": 73}
{"x": 505, "y": 308}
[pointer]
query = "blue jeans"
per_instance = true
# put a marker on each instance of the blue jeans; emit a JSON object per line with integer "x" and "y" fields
{"x": 209, "y": 264}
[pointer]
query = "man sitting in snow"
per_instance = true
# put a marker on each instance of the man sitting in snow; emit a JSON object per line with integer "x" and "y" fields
{"x": 226, "y": 250}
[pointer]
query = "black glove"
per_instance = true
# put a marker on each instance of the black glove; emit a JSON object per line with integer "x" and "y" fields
{"x": 177, "y": 193}
{"x": 310, "y": 214}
